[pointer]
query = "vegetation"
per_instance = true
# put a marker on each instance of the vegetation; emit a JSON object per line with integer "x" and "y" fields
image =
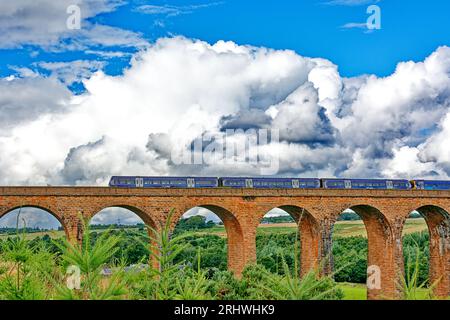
{"x": 192, "y": 265}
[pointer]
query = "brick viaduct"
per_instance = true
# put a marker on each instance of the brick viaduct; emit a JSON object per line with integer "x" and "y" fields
{"x": 383, "y": 211}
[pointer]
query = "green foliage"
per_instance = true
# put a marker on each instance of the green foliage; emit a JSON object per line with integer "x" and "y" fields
{"x": 171, "y": 279}
{"x": 350, "y": 259}
{"x": 411, "y": 243}
{"x": 411, "y": 285}
{"x": 189, "y": 265}
{"x": 348, "y": 216}
{"x": 278, "y": 219}
{"x": 24, "y": 264}
{"x": 90, "y": 259}
{"x": 193, "y": 223}
{"x": 213, "y": 251}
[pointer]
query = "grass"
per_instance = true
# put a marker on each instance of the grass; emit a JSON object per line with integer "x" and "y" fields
{"x": 358, "y": 291}
{"x": 353, "y": 291}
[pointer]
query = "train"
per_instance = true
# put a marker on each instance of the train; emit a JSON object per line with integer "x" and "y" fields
{"x": 275, "y": 183}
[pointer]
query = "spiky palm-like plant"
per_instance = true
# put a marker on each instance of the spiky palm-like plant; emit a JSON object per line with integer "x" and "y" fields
{"x": 23, "y": 264}
{"x": 90, "y": 259}
{"x": 290, "y": 286}
{"x": 410, "y": 286}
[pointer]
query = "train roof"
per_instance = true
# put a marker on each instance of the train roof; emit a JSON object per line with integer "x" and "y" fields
{"x": 364, "y": 179}
{"x": 169, "y": 177}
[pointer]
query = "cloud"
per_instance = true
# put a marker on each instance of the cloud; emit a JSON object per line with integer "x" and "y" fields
{"x": 173, "y": 10}
{"x": 25, "y": 99}
{"x": 30, "y": 218}
{"x": 73, "y": 71}
{"x": 116, "y": 215}
{"x": 43, "y": 23}
{"x": 178, "y": 90}
{"x": 355, "y": 25}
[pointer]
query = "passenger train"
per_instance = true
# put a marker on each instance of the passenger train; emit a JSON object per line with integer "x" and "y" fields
{"x": 274, "y": 183}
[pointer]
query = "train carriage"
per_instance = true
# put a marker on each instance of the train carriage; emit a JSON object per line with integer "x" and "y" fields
{"x": 267, "y": 183}
{"x": 366, "y": 184}
{"x": 275, "y": 183}
{"x": 164, "y": 182}
{"x": 431, "y": 184}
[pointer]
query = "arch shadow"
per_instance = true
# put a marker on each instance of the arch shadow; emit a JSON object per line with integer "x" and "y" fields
{"x": 308, "y": 228}
{"x": 236, "y": 253}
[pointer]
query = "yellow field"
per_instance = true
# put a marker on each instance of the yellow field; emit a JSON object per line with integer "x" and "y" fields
{"x": 341, "y": 229}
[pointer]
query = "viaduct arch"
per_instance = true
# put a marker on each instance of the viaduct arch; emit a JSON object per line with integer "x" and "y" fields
{"x": 384, "y": 213}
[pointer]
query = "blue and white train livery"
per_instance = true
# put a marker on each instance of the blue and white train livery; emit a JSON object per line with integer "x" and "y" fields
{"x": 272, "y": 183}
{"x": 275, "y": 183}
{"x": 431, "y": 184}
{"x": 365, "y": 184}
{"x": 163, "y": 182}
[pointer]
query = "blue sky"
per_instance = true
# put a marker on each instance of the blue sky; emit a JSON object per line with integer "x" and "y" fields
{"x": 411, "y": 30}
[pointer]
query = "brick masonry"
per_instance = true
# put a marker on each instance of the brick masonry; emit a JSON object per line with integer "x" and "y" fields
{"x": 383, "y": 211}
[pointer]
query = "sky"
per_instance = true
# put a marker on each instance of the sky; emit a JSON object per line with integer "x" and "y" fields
{"x": 136, "y": 82}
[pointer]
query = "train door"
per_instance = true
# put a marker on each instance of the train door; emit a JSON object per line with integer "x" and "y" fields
{"x": 139, "y": 182}
{"x": 389, "y": 184}
{"x": 347, "y": 184}
{"x": 295, "y": 184}
{"x": 191, "y": 183}
{"x": 249, "y": 183}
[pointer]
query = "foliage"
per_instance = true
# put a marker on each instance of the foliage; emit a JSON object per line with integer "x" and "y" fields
{"x": 348, "y": 216}
{"x": 416, "y": 246}
{"x": 23, "y": 267}
{"x": 90, "y": 259}
{"x": 193, "y": 223}
{"x": 411, "y": 285}
{"x": 278, "y": 219}
{"x": 350, "y": 259}
{"x": 187, "y": 265}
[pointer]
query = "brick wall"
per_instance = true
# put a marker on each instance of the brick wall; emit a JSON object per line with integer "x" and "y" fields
{"x": 383, "y": 212}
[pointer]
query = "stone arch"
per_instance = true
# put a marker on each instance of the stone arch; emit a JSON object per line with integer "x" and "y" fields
{"x": 147, "y": 217}
{"x": 438, "y": 225}
{"x": 381, "y": 254}
{"x": 52, "y": 212}
{"x": 236, "y": 244}
{"x": 309, "y": 233}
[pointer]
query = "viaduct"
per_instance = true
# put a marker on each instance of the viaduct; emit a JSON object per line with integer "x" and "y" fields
{"x": 383, "y": 211}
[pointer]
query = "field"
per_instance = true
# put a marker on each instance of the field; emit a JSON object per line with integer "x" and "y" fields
{"x": 341, "y": 229}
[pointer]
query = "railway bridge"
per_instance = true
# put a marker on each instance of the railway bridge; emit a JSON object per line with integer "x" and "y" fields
{"x": 384, "y": 213}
